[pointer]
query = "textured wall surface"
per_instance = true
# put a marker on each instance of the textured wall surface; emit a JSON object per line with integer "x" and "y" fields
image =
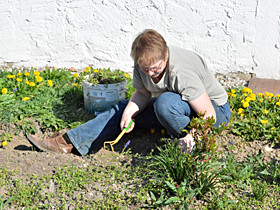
{"x": 232, "y": 35}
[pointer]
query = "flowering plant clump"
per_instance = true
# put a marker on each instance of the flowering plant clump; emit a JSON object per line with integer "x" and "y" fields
{"x": 255, "y": 116}
{"x": 104, "y": 76}
{"x": 29, "y": 95}
{"x": 47, "y": 96}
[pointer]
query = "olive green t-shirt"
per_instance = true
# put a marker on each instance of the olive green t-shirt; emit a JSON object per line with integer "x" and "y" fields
{"x": 186, "y": 74}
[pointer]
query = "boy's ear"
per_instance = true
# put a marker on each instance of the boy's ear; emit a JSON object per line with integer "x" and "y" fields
{"x": 166, "y": 54}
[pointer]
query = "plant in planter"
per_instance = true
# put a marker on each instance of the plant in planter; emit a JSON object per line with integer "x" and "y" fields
{"x": 104, "y": 76}
{"x": 102, "y": 88}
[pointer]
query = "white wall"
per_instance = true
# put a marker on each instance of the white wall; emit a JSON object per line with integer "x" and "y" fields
{"x": 233, "y": 35}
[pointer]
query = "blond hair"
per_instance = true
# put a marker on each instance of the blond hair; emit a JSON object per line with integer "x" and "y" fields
{"x": 148, "y": 47}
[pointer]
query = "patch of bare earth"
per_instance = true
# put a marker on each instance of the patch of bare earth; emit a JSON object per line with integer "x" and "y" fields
{"x": 242, "y": 149}
{"x": 20, "y": 156}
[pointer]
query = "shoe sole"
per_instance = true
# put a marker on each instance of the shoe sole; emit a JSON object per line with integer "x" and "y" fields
{"x": 35, "y": 145}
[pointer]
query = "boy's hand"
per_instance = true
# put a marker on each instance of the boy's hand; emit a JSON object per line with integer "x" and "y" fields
{"x": 187, "y": 143}
{"x": 125, "y": 124}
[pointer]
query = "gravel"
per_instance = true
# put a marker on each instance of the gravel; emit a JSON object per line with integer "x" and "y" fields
{"x": 233, "y": 79}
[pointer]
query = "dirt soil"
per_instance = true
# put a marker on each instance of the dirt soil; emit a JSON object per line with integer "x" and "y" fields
{"x": 21, "y": 156}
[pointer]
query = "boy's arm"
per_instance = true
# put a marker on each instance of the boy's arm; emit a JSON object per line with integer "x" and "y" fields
{"x": 139, "y": 100}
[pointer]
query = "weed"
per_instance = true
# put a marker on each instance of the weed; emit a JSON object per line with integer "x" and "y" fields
{"x": 221, "y": 202}
{"x": 205, "y": 133}
{"x": 5, "y": 203}
{"x": 172, "y": 162}
{"x": 232, "y": 170}
{"x": 6, "y": 137}
{"x": 259, "y": 190}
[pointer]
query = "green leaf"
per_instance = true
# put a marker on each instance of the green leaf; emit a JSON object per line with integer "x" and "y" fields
{"x": 171, "y": 186}
{"x": 153, "y": 197}
{"x": 265, "y": 172}
{"x": 170, "y": 200}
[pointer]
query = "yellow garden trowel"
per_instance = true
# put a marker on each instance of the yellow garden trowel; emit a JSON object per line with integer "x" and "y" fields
{"x": 118, "y": 138}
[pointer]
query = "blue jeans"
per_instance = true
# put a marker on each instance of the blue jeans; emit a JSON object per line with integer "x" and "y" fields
{"x": 168, "y": 111}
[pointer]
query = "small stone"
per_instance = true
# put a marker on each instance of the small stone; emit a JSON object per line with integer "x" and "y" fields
{"x": 52, "y": 187}
{"x": 268, "y": 149}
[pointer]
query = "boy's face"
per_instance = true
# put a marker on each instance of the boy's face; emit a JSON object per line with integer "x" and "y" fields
{"x": 155, "y": 69}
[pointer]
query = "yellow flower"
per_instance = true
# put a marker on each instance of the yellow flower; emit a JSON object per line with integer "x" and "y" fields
{"x": 261, "y": 100}
{"x": 264, "y": 121}
{"x": 265, "y": 111}
{"x": 233, "y": 91}
{"x": 4, "y": 143}
{"x": 253, "y": 96}
{"x": 75, "y": 84}
{"x": 76, "y": 75}
{"x": 266, "y": 93}
{"x": 229, "y": 94}
{"x": 246, "y": 90}
{"x": 152, "y": 130}
{"x": 27, "y": 82}
{"x": 278, "y": 103}
{"x": 87, "y": 69}
{"x": 278, "y": 96}
{"x": 19, "y": 79}
{"x": 4, "y": 91}
{"x": 248, "y": 99}
{"x": 95, "y": 70}
{"x": 240, "y": 111}
{"x": 233, "y": 95}
{"x": 245, "y": 104}
{"x": 245, "y": 94}
{"x": 37, "y": 73}
{"x": 10, "y": 76}
{"x": 39, "y": 79}
{"x": 18, "y": 74}
{"x": 25, "y": 98}
{"x": 32, "y": 84}
{"x": 269, "y": 95}
{"x": 50, "y": 82}
{"x": 260, "y": 94}
{"x": 126, "y": 75}
{"x": 27, "y": 74}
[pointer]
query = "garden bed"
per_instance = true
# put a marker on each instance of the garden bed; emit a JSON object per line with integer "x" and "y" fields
{"x": 123, "y": 179}
{"x": 19, "y": 156}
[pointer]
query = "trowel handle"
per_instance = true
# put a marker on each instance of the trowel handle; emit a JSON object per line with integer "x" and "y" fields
{"x": 129, "y": 125}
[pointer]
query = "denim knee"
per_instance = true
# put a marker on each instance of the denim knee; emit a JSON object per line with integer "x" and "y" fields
{"x": 161, "y": 106}
{"x": 172, "y": 112}
{"x": 223, "y": 114}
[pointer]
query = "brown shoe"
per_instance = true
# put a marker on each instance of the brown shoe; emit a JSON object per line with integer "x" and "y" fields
{"x": 59, "y": 143}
